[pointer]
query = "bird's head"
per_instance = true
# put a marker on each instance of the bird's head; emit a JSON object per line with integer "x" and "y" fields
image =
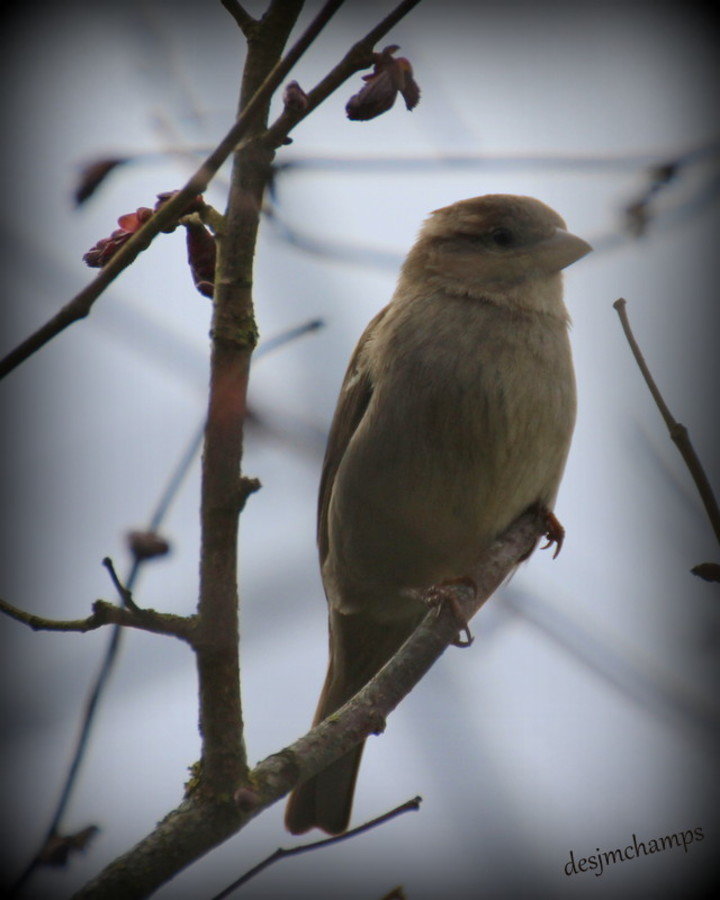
{"x": 494, "y": 246}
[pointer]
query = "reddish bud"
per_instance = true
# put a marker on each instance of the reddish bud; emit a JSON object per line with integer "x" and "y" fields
{"x": 106, "y": 248}
{"x": 409, "y": 89}
{"x": 59, "y": 847}
{"x": 129, "y": 223}
{"x": 201, "y": 251}
{"x": 147, "y": 544}
{"x": 294, "y": 98}
{"x": 389, "y": 77}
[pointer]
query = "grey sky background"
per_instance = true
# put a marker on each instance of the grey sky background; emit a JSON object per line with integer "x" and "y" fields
{"x": 586, "y": 709}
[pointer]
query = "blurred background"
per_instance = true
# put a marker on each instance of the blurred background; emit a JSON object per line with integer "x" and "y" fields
{"x": 586, "y": 710}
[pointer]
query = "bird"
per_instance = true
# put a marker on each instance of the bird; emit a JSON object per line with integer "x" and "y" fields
{"x": 455, "y": 417}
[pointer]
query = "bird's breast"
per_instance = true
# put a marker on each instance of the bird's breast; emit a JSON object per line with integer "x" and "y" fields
{"x": 466, "y": 428}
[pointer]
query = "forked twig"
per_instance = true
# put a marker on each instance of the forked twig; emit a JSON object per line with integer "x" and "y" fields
{"x": 121, "y": 617}
{"x": 284, "y": 852}
{"x": 82, "y": 303}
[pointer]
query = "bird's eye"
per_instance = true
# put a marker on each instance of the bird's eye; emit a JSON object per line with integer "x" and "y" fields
{"x": 502, "y": 237}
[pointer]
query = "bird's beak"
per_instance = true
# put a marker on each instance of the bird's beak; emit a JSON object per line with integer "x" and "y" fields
{"x": 560, "y": 250}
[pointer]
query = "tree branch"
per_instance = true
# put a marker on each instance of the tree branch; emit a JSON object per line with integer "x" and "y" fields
{"x": 125, "y": 594}
{"x": 284, "y": 852}
{"x": 234, "y": 335}
{"x": 201, "y": 822}
{"x": 364, "y": 714}
{"x": 678, "y": 432}
{"x": 241, "y": 16}
{"x": 96, "y": 691}
{"x": 210, "y": 814}
{"x": 358, "y": 57}
{"x": 108, "y": 614}
{"x": 169, "y": 212}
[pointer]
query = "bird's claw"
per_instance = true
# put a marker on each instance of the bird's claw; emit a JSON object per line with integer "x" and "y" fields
{"x": 554, "y": 532}
{"x": 440, "y": 594}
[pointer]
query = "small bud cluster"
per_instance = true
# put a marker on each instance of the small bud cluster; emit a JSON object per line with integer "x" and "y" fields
{"x": 200, "y": 242}
{"x": 390, "y": 76}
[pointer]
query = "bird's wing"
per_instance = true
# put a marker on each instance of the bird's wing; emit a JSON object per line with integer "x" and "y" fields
{"x": 355, "y": 394}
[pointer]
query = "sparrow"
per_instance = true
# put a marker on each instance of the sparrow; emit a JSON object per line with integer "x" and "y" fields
{"x": 454, "y": 418}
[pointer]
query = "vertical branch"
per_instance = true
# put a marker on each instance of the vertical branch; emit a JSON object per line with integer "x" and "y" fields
{"x": 213, "y": 808}
{"x": 234, "y": 335}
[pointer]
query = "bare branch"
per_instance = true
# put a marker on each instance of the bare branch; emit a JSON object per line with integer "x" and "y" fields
{"x": 678, "y": 432}
{"x": 204, "y": 818}
{"x": 223, "y": 489}
{"x": 241, "y": 16}
{"x": 125, "y": 594}
{"x": 201, "y": 822}
{"x": 108, "y": 614}
{"x": 365, "y": 713}
{"x": 114, "y": 614}
{"x": 79, "y": 307}
{"x": 358, "y": 57}
{"x": 283, "y": 852}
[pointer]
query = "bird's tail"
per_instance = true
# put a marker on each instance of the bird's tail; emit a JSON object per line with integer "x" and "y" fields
{"x": 359, "y": 647}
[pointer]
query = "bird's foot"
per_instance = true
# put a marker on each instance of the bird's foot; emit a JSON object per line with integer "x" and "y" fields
{"x": 554, "y": 532}
{"x": 440, "y": 594}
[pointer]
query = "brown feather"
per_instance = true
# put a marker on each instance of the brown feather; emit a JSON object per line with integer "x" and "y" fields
{"x": 359, "y": 647}
{"x": 355, "y": 395}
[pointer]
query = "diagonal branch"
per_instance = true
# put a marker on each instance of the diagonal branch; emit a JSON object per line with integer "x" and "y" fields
{"x": 79, "y": 307}
{"x": 365, "y": 713}
{"x": 285, "y": 852}
{"x": 678, "y": 432}
{"x": 201, "y": 822}
{"x": 358, "y": 57}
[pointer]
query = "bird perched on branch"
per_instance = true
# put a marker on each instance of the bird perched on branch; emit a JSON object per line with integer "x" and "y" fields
{"x": 454, "y": 418}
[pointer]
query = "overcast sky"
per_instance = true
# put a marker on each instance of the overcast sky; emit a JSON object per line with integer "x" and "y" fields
{"x": 585, "y": 711}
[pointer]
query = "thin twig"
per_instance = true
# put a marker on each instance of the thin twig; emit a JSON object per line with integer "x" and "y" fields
{"x": 169, "y": 212}
{"x": 284, "y": 852}
{"x": 209, "y": 826}
{"x": 358, "y": 57}
{"x": 285, "y": 337}
{"x": 678, "y": 432}
{"x": 241, "y": 15}
{"x": 40, "y": 623}
{"x": 125, "y": 594}
{"x": 201, "y": 823}
{"x": 103, "y": 614}
{"x": 107, "y": 614}
{"x": 422, "y": 163}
